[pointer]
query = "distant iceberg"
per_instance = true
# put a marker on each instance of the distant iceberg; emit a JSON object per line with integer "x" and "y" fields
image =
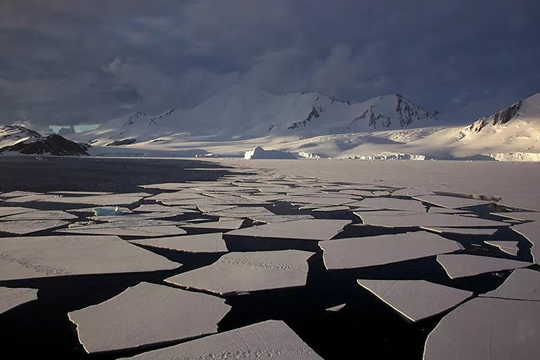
{"x": 259, "y": 153}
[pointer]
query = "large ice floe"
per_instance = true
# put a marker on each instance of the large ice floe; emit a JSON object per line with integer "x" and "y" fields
{"x": 522, "y": 284}
{"x": 383, "y": 249}
{"x": 49, "y": 256}
{"x": 310, "y": 229}
{"x": 415, "y": 299}
{"x": 487, "y": 329}
{"x": 237, "y": 273}
{"x": 147, "y": 314}
{"x": 203, "y": 243}
{"x": 267, "y": 340}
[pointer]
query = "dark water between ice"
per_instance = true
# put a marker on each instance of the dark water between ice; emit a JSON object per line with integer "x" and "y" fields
{"x": 365, "y": 329}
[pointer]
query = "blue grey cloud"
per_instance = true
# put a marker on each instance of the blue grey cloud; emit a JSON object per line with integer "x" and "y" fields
{"x": 70, "y": 62}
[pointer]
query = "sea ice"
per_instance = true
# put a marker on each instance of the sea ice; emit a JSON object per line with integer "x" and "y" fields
{"x": 271, "y": 339}
{"x": 391, "y": 204}
{"x": 99, "y": 200}
{"x": 384, "y": 249}
{"x": 462, "y": 265}
{"x": 147, "y": 314}
{"x": 487, "y": 329}
{"x": 412, "y": 219}
{"x": 205, "y": 243}
{"x": 522, "y": 284}
{"x": 13, "y": 297}
{"x": 270, "y": 219}
{"x": 40, "y": 215}
{"x": 216, "y": 225}
{"x": 23, "y": 227}
{"x": 460, "y": 230}
{"x": 45, "y": 256}
{"x": 509, "y": 247}
{"x": 451, "y": 202}
{"x": 311, "y": 229}
{"x": 531, "y": 231}
{"x": 241, "y": 272}
{"x": 415, "y": 299}
{"x": 336, "y": 308}
{"x": 6, "y": 211}
{"x": 522, "y": 216}
{"x": 125, "y": 229}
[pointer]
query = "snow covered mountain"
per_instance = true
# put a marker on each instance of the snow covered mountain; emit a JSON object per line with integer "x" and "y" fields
{"x": 240, "y": 118}
{"x": 12, "y": 134}
{"x": 515, "y": 129}
{"x": 245, "y": 112}
{"x": 19, "y": 139}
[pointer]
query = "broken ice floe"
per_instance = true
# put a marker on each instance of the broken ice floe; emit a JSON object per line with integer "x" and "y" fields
{"x": 531, "y": 231}
{"x": 248, "y": 271}
{"x": 330, "y": 201}
{"x": 460, "y": 230}
{"x": 414, "y": 219}
{"x": 336, "y": 308}
{"x": 155, "y": 208}
{"x": 270, "y": 219}
{"x": 486, "y": 328}
{"x": 23, "y": 227}
{"x": 391, "y": 204}
{"x": 13, "y": 297}
{"x": 6, "y": 211}
{"x": 311, "y": 229}
{"x": 40, "y": 215}
{"x": 45, "y": 256}
{"x": 522, "y": 284}
{"x": 522, "y": 216}
{"x": 267, "y": 340}
{"x": 451, "y": 202}
{"x": 384, "y": 249}
{"x": 409, "y": 192}
{"x": 30, "y": 198}
{"x": 124, "y": 229}
{"x": 80, "y": 193}
{"x": 415, "y": 299}
{"x": 216, "y": 225}
{"x": 205, "y": 243}
{"x": 509, "y": 247}
{"x": 99, "y": 200}
{"x": 462, "y": 265}
{"x": 147, "y": 314}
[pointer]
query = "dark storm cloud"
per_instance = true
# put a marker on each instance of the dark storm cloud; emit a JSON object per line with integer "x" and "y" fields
{"x": 69, "y": 62}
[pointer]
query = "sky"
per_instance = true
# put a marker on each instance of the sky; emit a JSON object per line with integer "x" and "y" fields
{"x": 65, "y": 62}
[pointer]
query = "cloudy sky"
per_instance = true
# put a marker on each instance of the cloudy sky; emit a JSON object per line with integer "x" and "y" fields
{"x": 66, "y": 62}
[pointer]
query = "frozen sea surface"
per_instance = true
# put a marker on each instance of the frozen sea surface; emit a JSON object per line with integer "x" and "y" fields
{"x": 205, "y": 213}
